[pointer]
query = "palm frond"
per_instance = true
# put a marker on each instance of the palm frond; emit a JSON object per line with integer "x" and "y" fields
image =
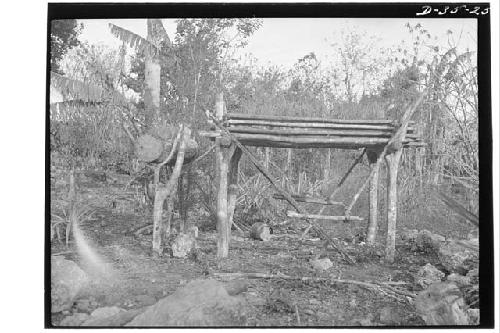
{"x": 160, "y": 30}
{"x": 133, "y": 40}
{"x": 77, "y": 90}
{"x": 81, "y": 92}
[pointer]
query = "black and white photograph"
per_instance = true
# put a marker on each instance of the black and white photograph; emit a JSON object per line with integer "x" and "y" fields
{"x": 269, "y": 165}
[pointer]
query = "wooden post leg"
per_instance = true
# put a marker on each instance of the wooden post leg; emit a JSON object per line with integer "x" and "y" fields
{"x": 183, "y": 192}
{"x": 371, "y": 234}
{"x": 234, "y": 161}
{"x": 158, "y": 224}
{"x": 392, "y": 161}
{"x": 222, "y": 216}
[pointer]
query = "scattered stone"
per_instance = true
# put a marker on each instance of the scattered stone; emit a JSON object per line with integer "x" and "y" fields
{"x": 441, "y": 304}
{"x": 112, "y": 298}
{"x": 145, "y": 300}
{"x": 83, "y": 305}
{"x": 389, "y": 316}
{"x": 182, "y": 245}
{"x": 460, "y": 280}
{"x": 458, "y": 256}
{"x": 473, "y": 315}
{"x": 67, "y": 279}
{"x": 409, "y": 235}
{"x": 98, "y": 315}
{"x": 236, "y": 287}
{"x": 364, "y": 322}
{"x": 427, "y": 242}
{"x": 238, "y": 238}
{"x": 106, "y": 311}
{"x": 260, "y": 231}
{"x": 193, "y": 230}
{"x": 473, "y": 273}
{"x": 74, "y": 320}
{"x": 309, "y": 312}
{"x": 474, "y": 234}
{"x": 321, "y": 264}
{"x": 118, "y": 319}
{"x": 428, "y": 275}
{"x": 199, "y": 303}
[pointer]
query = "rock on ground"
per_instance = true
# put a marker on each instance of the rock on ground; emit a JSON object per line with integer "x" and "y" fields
{"x": 321, "y": 264}
{"x": 473, "y": 315}
{"x": 428, "y": 275}
{"x": 199, "y": 303}
{"x": 74, "y": 320}
{"x": 193, "y": 230}
{"x": 426, "y": 241}
{"x": 119, "y": 319}
{"x": 145, "y": 300}
{"x": 409, "y": 235}
{"x": 458, "y": 256}
{"x": 182, "y": 245}
{"x": 102, "y": 313}
{"x": 260, "y": 231}
{"x": 66, "y": 280}
{"x": 441, "y": 304}
{"x": 460, "y": 280}
{"x": 389, "y": 316}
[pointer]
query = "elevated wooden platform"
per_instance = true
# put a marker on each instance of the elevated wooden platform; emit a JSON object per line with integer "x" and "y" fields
{"x": 309, "y": 132}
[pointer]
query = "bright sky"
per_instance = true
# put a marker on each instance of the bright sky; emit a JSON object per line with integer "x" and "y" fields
{"x": 282, "y": 41}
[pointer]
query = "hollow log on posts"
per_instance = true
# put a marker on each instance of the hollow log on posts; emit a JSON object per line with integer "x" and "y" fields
{"x": 160, "y": 229}
{"x": 154, "y": 146}
{"x": 373, "y": 198}
{"x": 392, "y": 161}
{"x": 287, "y": 196}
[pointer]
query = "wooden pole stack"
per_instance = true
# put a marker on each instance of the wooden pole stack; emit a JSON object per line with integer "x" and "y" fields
{"x": 303, "y": 132}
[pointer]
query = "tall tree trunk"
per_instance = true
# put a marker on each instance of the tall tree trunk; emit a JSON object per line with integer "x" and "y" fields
{"x": 152, "y": 76}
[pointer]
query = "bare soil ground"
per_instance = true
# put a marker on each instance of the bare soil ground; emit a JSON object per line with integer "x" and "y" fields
{"x": 273, "y": 302}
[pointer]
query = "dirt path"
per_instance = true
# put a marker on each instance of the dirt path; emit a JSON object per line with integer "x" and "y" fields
{"x": 141, "y": 278}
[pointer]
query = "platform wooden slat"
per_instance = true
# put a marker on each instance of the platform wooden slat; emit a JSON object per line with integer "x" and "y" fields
{"x": 250, "y": 117}
{"x": 236, "y": 122}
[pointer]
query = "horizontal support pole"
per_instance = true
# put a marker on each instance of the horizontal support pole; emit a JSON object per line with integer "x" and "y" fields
{"x": 303, "y": 142}
{"x": 243, "y": 116}
{"x": 317, "y": 132}
{"x": 319, "y": 201}
{"x": 291, "y": 213}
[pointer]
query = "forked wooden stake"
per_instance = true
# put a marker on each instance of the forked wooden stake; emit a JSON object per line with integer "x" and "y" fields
{"x": 162, "y": 228}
